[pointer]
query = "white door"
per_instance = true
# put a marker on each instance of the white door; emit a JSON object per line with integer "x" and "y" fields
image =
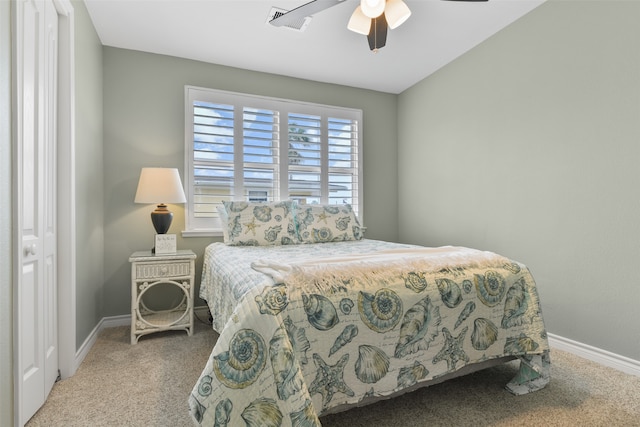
{"x": 36, "y": 288}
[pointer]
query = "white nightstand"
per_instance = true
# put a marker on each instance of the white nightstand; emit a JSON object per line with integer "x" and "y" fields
{"x": 149, "y": 270}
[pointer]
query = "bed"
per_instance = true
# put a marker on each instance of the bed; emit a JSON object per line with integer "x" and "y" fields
{"x": 307, "y": 329}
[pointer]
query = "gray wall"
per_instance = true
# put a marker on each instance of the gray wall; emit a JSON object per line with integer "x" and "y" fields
{"x": 6, "y": 295}
{"x": 89, "y": 176}
{"x": 528, "y": 145}
{"x": 144, "y": 126}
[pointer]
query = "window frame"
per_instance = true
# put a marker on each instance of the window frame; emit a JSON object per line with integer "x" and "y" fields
{"x": 194, "y": 227}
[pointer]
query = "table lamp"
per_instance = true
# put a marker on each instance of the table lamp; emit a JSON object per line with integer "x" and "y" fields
{"x": 160, "y": 186}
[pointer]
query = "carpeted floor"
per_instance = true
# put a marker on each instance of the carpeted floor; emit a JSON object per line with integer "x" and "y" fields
{"x": 148, "y": 384}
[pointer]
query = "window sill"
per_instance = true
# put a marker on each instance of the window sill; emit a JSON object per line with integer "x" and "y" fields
{"x": 202, "y": 233}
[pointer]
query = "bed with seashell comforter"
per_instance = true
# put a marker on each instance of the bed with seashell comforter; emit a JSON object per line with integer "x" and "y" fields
{"x": 306, "y": 330}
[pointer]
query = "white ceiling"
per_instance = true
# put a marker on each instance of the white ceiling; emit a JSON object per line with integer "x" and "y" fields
{"x": 236, "y": 33}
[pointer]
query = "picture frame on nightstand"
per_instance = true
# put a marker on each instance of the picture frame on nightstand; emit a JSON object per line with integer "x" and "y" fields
{"x": 165, "y": 244}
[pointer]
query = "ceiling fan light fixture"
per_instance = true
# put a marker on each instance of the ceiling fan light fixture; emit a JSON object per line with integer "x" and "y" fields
{"x": 359, "y": 22}
{"x": 372, "y": 8}
{"x": 396, "y": 12}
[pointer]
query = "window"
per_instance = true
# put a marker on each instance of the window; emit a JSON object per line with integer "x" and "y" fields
{"x": 245, "y": 147}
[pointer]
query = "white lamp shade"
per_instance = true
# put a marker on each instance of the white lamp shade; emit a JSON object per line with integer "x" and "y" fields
{"x": 372, "y": 8}
{"x": 396, "y": 13}
{"x": 160, "y": 185}
{"x": 359, "y": 22}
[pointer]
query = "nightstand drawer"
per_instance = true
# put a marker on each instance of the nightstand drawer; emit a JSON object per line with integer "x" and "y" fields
{"x": 154, "y": 271}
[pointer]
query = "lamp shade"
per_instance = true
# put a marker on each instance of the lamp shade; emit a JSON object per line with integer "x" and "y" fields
{"x": 160, "y": 185}
{"x": 372, "y": 8}
{"x": 396, "y": 12}
{"x": 359, "y": 22}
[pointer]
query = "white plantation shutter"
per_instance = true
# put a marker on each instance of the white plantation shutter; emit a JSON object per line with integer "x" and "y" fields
{"x": 305, "y": 158}
{"x": 260, "y": 154}
{"x": 244, "y": 147}
{"x": 213, "y": 157}
{"x": 342, "y": 142}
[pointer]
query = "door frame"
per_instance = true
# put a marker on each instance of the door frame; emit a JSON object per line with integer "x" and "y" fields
{"x": 66, "y": 190}
{"x": 66, "y": 248}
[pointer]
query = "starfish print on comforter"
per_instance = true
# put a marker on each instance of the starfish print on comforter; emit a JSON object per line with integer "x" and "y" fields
{"x": 452, "y": 351}
{"x": 329, "y": 379}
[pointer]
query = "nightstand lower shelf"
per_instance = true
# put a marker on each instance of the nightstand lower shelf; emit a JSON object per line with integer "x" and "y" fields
{"x": 163, "y": 319}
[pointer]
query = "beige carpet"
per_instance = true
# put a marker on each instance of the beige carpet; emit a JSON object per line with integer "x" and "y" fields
{"x": 148, "y": 384}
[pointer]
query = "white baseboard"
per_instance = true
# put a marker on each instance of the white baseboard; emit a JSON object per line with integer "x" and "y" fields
{"x": 115, "y": 321}
{"x": 106, "y": 322}
{"x": 202, "y": 311}
{"x": 594, "y": 354}
{"x": 201, "y": 308}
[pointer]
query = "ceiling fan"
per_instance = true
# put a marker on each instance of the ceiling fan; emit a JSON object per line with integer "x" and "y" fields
{"x": 371, "y": 18}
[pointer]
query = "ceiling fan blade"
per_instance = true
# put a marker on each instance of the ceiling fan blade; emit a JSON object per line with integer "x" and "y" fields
{"x": 378, "y": 33}
{"x": 303, "y": 11}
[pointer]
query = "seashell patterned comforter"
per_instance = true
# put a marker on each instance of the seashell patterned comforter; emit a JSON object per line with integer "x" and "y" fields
{"x": 309, "y": 329}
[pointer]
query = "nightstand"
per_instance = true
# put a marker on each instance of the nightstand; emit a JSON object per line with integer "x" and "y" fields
{"x": 149, "y": 270}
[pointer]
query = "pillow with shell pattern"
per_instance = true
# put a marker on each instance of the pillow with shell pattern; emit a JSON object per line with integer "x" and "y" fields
{"x": 259, "y": 223}
{"x": 327, "y": 223}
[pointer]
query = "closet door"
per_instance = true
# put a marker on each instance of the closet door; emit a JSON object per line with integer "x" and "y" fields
{"x": 36, "y": 288}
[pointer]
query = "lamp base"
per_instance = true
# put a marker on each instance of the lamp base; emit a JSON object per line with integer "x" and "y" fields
{"x": 161, "y": 219}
